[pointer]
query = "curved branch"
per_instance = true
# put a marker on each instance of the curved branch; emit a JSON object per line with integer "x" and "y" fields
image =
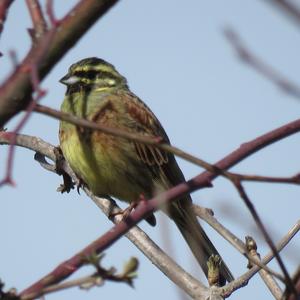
{"x": 4, "y": 6}
{"x": 243, "y": 280}
{"x": 38, "y": 20}
{"x": 204, "y": 214}
{"x": 287, "y": 7}
{"x": 233, "y": 177}
{"x": 260, "y": 66}
{"x": 15, "y": 92}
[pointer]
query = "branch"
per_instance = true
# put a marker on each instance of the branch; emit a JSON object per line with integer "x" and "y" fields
{"x": 233, "y": 177}
{"x": 154, "y": 253}
{"x": 208, "y": 217}
{"x": 288, "y": 7}
{"x": 266, "y": 276}
{"x": 38, "y": 20}
{"x": 4, "y": 6}
{"x": 261, "y": 67}
{"x": 296, "y": 279}
{"x": 243, "y": 280}
{"x": 15, "y": 92}
{"x": 96, "y": 279}
{"x": 267, "y": 237}
{"x": 39, "y": 94}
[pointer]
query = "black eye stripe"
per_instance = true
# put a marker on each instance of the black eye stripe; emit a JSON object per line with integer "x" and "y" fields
{"x": 92, "y": 74}
{"x": 86, "y": 74}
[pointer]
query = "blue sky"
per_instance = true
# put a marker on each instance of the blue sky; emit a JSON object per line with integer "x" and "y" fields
{"x": 177, "y": 60}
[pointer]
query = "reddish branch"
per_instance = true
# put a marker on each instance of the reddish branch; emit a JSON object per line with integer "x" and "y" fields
{"x": 267, "y": 237}
{"x": 32, "y": 71}
{"x": 146, "y": 208}
{"x": 269, "y": 72}
{"x": 15, "y": 92}
{"x": 243, "y": 279}
{"x": 38, "y": 20}
{"x": 288, "y": 7}
{"x": 166, "y": 147}
{"x": 4, "y": 6}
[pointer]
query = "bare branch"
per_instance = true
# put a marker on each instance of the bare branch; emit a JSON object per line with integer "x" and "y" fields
{"x": 4, "y": 6}
{"x": 267, "y": 237}
{"x": 257, "y": 178}
{"x": 96, "y": 279}
{"x": 38, "y": 20}
{"x": 50, "y": 12}
{"x": 243, "y": 280}
{"x": 91, "y": 280}
{"x": 158, "y": 143}
{"x": 153, "y": 252}
{"x": 205, "y": 215}
{"x": 296, "y": 279}
{"x": 39, "y": 94}
{"x": 288, "y": 7}
{"x": 15, "y": 92}
{"x": 266, "y": 276}
{"x": 267, "y": 71}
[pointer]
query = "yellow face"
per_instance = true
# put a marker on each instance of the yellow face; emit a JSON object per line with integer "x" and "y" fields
{"x": 93, "y": 73}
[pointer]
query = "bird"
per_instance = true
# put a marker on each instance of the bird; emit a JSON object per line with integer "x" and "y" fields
{"x": 120, "y": 168}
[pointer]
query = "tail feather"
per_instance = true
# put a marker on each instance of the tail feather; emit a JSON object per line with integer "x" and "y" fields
{"x": 196, "y": 238}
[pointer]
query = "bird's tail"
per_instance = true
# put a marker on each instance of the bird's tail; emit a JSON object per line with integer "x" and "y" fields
{"x": 186, "y": 220}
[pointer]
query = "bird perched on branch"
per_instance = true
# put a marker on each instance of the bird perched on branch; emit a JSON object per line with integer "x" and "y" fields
{"x": 116, "y": 166}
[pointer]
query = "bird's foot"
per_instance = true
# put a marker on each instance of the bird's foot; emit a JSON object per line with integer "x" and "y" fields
{"x": 124, "y": 212}
{"x": 80, "y": 184}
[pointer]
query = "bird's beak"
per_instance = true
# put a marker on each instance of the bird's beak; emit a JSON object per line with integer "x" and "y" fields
{"x": 69, "y": 79}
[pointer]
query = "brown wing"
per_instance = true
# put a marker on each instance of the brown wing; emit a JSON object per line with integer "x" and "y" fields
{"x": 162, "y": 164}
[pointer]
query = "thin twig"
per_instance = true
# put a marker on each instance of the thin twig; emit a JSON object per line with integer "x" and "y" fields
{"x": 4, "y": 7}
{"x": 39, "y": 94}
{"x": 93, "y": 281}
{"x": 96, "y": 279}
{"x": 15, "y": 93}
{"x": 267, "y": 71}
{"x": 296, "y": 279}
{"x": 38, "y": 20}
{"x": 243, "y": 280}
{"x": 267, "y": 237}
{"x": 158, "y": 143}
{"x": 50, "y": 12}
{"x": 288, "y": 7}
{"x": 205, "y": 215}
{"x": 266, "y": 276}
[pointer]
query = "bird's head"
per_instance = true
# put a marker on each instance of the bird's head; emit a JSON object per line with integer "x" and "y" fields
{"x": 93, "y": 73}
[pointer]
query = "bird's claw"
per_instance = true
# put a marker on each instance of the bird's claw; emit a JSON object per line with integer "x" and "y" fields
{"x": 124, "y": 212}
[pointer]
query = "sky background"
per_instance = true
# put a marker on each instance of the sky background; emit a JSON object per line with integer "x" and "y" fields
{"x": 177, "y": 60}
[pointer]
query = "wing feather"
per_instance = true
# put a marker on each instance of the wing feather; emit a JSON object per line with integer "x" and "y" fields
{"x": 162, "y": 164}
